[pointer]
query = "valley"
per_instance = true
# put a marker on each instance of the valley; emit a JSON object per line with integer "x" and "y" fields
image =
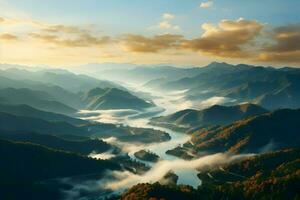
{"x": 142, "y": 137}
{"x": 149, "y": 100}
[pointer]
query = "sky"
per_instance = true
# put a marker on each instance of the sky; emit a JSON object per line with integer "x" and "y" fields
{"x": 180, "y": 32}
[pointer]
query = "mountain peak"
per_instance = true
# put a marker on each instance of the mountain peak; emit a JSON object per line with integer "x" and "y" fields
{"x": 219, "y": 65}
{"x": 224, "y": 65}
{"x": 215, "y": 63}
{"x": 114, "y": 98}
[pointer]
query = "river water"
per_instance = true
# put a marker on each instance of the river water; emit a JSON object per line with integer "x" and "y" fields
{"x": 166, "y": 104}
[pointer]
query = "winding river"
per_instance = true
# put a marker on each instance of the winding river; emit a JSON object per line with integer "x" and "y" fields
{"x": 166, "y": 104}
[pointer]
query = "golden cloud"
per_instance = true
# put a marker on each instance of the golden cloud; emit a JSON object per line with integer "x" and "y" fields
{"x": 8, "y": 37}
{"x": 228, "y": 39}
{"x": 225, "y": 40}
{"x": 80, "y": 40}
{"x": 138, "y": 43}
{"x": 283, "y": 57}
{"x": 63, "y": 28}
{"x": 285, "y": 46}
{"x": 20, "y": 22}
{"x": 58, "y": 34}
{"x": 287, "y": 39}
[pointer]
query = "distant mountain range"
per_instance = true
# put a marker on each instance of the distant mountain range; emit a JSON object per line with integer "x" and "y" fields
{"x": 143, "y": 74}
{"x": 272, "y": 88}
{"x": 269, "y": 87}
{"x": 62, "y": 78}
{"x": 28, "y": 111}
{"x": 266, "y": 86}
{"x": 63, "y": 92}
{"x": 212, "y": 116}
{"x": 37, "y": 99}
{"x": 61, "y": 85}
{"x": 56, "y": 92}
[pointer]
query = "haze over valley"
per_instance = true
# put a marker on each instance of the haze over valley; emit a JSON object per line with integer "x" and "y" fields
{"x": 150, "y": 107}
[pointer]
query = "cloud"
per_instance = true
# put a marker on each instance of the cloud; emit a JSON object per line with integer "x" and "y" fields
{"x": 79, "y": 40}
{"x": 57, "y": 34}
{"x": 2, "y": 20}
{"x": 142, "y": 44}
{"x": 63, "y": 28}
{"x": 227, "y": 39}
{"x": 8, "y": 37}
{"x": 287, "y": 39}
{"x": 214, "y": 101}
{"x": 284, "y": 47}
{"x": 244, "y": 39}
{"x": 166, "y": 23}
{"x": 168, "y": 16}
{"x": 206, "y": 4}
{"x": 102, "y": 156}
{"x": 7, "y": 21}
{"x": 67, "y": 35}
{"x": 283, "y": 57}
{"x": 20, "y": 22}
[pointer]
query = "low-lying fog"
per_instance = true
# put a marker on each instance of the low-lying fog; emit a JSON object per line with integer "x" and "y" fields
{"x": 166, "y": 104}
{"x": 180, "y": 167}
